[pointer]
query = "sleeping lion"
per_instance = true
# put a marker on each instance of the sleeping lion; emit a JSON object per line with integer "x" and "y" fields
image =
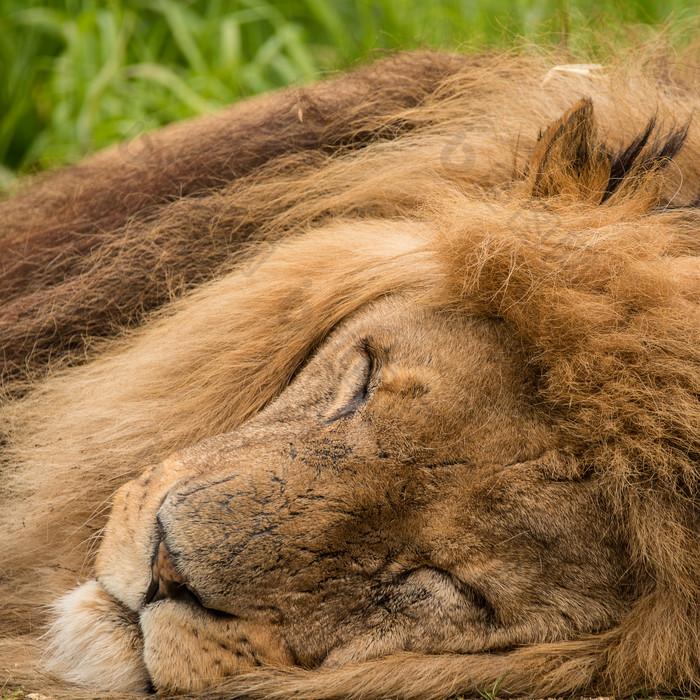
{"x": 385, "y": 387}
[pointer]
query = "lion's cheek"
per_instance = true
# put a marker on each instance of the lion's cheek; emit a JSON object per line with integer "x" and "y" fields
{"x": 94, "y": 641}
{"x": 187, "y": 649}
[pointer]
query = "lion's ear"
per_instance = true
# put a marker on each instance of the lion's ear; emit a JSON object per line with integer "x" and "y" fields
{"x": 568, "y": 160}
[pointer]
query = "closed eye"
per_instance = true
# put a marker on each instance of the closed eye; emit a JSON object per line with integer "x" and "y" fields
{"x": 359, "y": 382}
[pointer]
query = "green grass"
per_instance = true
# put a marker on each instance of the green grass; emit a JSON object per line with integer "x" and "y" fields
{"x": 76, "y": 75}
{"x": 14, "y": 695}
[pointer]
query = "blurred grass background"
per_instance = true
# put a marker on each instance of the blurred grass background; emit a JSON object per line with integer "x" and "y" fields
{"x": 76, "y": 75}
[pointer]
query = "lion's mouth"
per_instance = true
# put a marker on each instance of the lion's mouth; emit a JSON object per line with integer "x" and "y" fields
{"x": 188, "y": 646}
{"x": 169, "y": 583}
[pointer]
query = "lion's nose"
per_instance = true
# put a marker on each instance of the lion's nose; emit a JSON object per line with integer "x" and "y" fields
{"x": 166, "y": 579}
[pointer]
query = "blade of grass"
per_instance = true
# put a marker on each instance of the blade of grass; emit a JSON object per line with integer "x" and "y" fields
{"x": 181, "y": 24}
{"x": 169, "y": 79}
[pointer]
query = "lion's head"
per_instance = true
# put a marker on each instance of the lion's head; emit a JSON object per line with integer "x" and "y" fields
{"x": 398, "y": 496}
{"x": 423, "y": 433}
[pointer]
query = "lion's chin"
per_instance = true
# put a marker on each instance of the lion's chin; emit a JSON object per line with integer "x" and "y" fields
{"x": 172, "y": 647}
{"x": 188, "y": 648}
{"x": 95, "y": 641}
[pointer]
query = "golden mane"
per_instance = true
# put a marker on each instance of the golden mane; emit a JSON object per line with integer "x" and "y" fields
{"x": 412, "y": 174}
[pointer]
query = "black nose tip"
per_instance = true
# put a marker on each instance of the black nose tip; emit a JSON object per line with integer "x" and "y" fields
{"x": 166, "y": 579}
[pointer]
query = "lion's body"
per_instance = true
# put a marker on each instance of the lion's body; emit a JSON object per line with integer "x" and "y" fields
{"x": 431, "y": 385}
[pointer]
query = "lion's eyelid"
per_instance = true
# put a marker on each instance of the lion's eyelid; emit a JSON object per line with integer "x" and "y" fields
{"x": 367, "y": 384}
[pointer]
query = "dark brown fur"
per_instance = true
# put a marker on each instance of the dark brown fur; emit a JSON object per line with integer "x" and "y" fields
{"x": 92, "y": 249}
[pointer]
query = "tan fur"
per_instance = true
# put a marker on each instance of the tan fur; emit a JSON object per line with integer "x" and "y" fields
{"x": 512, "y": 497}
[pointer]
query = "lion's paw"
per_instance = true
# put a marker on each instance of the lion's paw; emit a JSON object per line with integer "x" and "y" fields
{"x": 96, "y": 641}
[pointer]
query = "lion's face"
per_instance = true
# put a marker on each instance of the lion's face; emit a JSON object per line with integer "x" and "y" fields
{"x": 399, "y": 495}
